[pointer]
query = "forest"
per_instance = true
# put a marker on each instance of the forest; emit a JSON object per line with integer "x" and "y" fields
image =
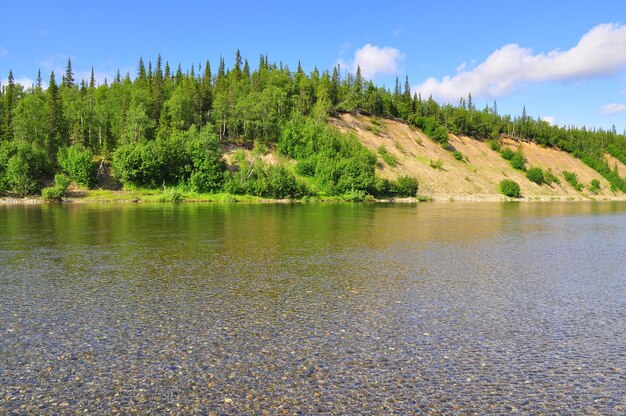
{"x": 165, "y": 127}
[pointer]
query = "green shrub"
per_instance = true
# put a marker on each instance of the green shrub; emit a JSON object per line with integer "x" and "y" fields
{"x": 595, "y": 186}
{"x": 383, "y": 188}
{"x": 62, "y": 181}
{"x": 192, "y": 157}
{"x": 19, "y": 177}
{"x": 518, "y": 161}
{"x": 387, "y": 157}
{"x": 22, "y": 168}
{"x": 55, "y": 192}
{"x": 171, "y": 194}
{"x": 433, "y": 129}
{"x": 306, "y": 167}
{"x": 52, "y": 194}
{"x": 510, "y": 188}
{"x": 406, "y": 186}
{"x": 507, "y": 153}
{"x": 495, "y": 145}
{"x": 549, "y": 177}
{"x": 77, "y": 162}
{"x": 262, "y": 180}
{"x": 535, "y": 174}
{"x": 572, "y": 179}
{"x": 458, "y": 155}
{"x": 436, "y": 164}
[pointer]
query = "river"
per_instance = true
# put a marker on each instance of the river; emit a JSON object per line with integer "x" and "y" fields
{"x": 429, "y": 308}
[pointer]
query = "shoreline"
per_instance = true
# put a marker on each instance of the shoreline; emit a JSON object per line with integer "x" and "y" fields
{"x": 126, "y": 197}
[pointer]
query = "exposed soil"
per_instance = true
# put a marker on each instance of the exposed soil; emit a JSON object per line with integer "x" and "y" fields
{"x": 477, "y": 177}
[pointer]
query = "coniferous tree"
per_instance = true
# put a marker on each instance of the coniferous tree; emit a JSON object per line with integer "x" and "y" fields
{"x": 237, "y": 68}
{"x": 167, "y": 74}
{"x": 141, "y": 72}
{"x": 157, "y": 90}
{"x": 68, "y": 77}
{"x": 334, "y": 86}
{"x": 9, "y": 104}
{"x": 56, "y": 128}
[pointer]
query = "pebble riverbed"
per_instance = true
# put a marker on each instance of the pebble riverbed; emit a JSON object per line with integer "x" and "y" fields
{"x": 260, "y": 312}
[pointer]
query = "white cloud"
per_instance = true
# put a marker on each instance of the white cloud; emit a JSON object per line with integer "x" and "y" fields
{"x": 600, "y": 52}
{"x": 99, "y": 76}
{"x": 548, "y": 119}
{"x": 374, "y": 60}
{"x": 614, "y": 108}
{"x": 24, "y": 82}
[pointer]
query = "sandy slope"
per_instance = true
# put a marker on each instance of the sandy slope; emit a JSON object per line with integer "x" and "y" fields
{"x": 477, "y": 177}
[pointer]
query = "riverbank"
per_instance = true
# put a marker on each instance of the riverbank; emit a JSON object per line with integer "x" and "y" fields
{"x": 143, "y": 195}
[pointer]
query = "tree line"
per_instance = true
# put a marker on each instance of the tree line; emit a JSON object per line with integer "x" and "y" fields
{"x": 164, "y": 126}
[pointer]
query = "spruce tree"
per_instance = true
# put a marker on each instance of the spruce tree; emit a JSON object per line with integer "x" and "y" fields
{"x": 167, "y": 74}
{"x": 358, "y": 82}
{"x": 68, "y": 77}
{"x": 237, "y": 68}
{"x": 157, "y": 90}
{"x": 407, "y": 89}
{"x": 206, "y": 90}
{"x": 56, "y": 130}
{"x": 9, "y": 103}
{"x": 141, "y": 72}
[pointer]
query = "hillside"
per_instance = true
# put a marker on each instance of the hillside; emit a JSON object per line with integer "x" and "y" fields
{"x": 262, "y": 133}
{"x": 478, "y": 176}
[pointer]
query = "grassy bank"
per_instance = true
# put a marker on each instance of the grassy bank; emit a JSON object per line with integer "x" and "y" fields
{"x": 175, "y": 195}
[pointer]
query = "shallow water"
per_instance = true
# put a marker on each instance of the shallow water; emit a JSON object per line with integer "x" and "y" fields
{"x": 432, "y": 308}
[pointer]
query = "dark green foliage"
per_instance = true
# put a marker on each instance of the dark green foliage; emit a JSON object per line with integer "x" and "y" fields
{"x": 22, "y": 168}
{"x": 259, "y": 179}
{"x": 143, "y": 122}
{"x": 535, "y": 174}
{"x": 387, "y": 157}
{"x": 406, "y": 186}
{"x": 403, "y": 187}
{"x": 52, "y": 194}
{"x": 458, "y": 155}
{"x": 77, "y": 162}
{"x": 206, "y": 159}
{"x": 192, "y": 156}
{"x": 56, "y": 192}
{"x": 495, "y": 145}
{"x": 339, "y": 163}
{"x": 595, "y": 186}
{"x": 510, "y": 188}
{"x": 432, "y": 128}
{"x": 518, "y": 161}
{"x": 507, "y": 153}
{"x": 572, "y": 179}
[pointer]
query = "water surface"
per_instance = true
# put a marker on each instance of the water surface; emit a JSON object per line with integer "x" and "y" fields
{"x": 454, "y": 308}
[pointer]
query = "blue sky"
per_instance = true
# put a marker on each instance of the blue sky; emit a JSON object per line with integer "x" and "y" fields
{"x": 565, "y": 61}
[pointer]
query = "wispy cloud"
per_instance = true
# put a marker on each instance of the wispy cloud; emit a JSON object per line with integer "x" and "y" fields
{"x": 98, "y": 75}
{"x": 600, "y": 52}
{"x": 614, "y": 108}
{"x": 24, "y": 82}
{"x": 374, "y": 60}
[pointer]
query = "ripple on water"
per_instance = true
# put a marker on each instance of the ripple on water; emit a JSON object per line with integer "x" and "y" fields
{"x": 263, "y": 315}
